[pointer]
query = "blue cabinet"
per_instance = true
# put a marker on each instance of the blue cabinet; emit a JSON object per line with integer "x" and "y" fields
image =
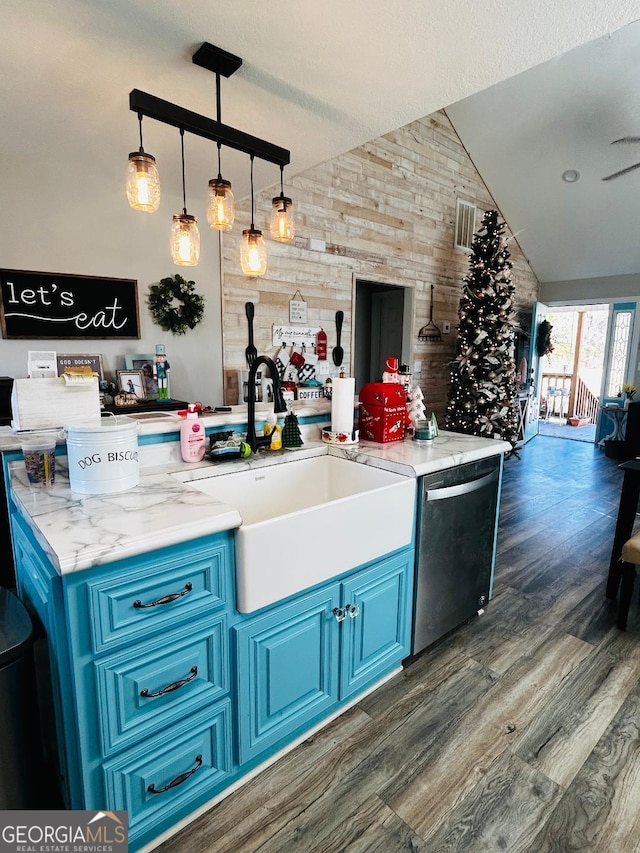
{"x": 139, "y": 654}
{"x": 376, "y": 633}
{"x": 165, "y": 695}
{"x": 299, "y": 660}
{"x": 287, "y": 670}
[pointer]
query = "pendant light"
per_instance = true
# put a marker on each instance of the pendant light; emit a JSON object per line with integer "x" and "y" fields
{"x": 221, "y": 208}
{"x": 185, "y": 237}
{"x": 281, "y": 223}
{"x": 253, "y": 251}
{"x": 143, "y": 180}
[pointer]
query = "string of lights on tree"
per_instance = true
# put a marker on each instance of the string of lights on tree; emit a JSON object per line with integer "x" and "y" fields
{"x": 483, "y": 394}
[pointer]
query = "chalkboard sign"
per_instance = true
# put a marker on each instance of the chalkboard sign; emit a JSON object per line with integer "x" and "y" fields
{"x": 60, "y": 306}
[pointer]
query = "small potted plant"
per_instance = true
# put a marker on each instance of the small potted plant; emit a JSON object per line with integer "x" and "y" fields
{"x": 629, "y": 391}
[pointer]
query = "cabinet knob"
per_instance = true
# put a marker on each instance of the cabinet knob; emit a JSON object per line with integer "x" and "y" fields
{"x": 353, "y": 610}
{"x": 340, "y": 614}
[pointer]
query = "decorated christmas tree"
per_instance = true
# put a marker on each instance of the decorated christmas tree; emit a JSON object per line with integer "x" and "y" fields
{"x": 483, "y": 393}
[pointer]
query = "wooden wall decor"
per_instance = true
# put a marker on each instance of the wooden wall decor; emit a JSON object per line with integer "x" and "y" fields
{"x": 62, "y": 306}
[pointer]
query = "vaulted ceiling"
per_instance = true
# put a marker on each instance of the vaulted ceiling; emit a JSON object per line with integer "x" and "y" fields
{"x": 562, "y": 116}
{"x": 322, "y": 78}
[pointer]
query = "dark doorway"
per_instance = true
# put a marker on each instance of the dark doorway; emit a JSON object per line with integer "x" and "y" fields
{"x": 379, "y": 323}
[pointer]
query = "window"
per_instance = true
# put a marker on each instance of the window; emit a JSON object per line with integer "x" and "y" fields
{"x": 622, "y": 321}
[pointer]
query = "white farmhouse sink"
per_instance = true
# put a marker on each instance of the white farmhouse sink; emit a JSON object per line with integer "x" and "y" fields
{"x": 309, "y": 520}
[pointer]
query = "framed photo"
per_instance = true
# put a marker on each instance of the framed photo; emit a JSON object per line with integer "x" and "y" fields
{"x": 137, "y": 362}
{"x": 144, "y": 362}
{"x": 132, "y": 382}
{"x": 79, "y": 359}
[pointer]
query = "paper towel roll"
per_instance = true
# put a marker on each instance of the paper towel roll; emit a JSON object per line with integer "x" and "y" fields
{"x": 342, "y": 404}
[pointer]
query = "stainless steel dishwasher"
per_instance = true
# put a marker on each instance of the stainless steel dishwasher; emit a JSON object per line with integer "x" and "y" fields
{"x": 458, "y": 513}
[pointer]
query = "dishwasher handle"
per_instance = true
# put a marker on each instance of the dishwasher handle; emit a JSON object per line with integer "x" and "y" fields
{"x": 439, "y": 494}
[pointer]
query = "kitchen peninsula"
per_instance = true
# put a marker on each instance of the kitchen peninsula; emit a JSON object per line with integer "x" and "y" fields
{"x": 167, "y": 693}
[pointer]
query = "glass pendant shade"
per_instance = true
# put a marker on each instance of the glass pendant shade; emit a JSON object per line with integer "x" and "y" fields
{"x": 185, "y": 240}
{"x": 221, "y": 207}
{"x": 253, "y": 252}
{"x": 143, "y": 182}
{"x": 281, "y": 222}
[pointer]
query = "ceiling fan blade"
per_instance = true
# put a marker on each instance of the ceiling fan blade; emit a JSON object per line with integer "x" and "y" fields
{"x": 622, "y": 172}
{"x": 626, "y": 139}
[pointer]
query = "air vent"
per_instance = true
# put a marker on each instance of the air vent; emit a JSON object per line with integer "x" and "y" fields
{"x": 465, "y": 224}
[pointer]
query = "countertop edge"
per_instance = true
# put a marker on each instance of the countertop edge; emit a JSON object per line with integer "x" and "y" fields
{"x": 79, "y": 532}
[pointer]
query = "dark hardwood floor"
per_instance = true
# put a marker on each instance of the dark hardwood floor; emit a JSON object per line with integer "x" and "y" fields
{"x": 519, "y": 732}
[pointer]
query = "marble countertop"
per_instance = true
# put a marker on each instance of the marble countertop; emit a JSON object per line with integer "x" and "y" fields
{"x": 78, "y": 531}
{"x": 416, "y": 458}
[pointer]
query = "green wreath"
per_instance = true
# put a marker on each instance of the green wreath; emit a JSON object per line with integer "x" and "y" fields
{"x": 171, "y": 317}
{"x": 543, "y": 340}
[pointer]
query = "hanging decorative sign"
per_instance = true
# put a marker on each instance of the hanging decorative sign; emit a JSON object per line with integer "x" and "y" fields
{"x": 297, "y": 309}
{"x": 295, "y": 336}
{"x": 59, "y": 306}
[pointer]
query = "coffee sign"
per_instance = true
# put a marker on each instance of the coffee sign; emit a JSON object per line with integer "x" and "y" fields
{"x": 62, "y": 306}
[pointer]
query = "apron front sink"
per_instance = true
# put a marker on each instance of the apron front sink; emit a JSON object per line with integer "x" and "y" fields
{"x": 306, "y": 521}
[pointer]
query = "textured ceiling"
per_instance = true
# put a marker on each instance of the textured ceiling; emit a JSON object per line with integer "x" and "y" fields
{"x": 523, "y": 133}
{"x": 317, "y": 78}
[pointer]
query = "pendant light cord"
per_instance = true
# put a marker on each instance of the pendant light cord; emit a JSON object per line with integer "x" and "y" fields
{"x": 218, "y": 119}
{"x": 252, "y": 228}
{"x": 184, "y": 192}
{"x": 282, "y": 180}
{"x": 140, "y": 123}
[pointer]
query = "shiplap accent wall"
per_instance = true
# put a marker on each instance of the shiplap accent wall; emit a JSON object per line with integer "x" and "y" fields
{"x": 386, "y": 212}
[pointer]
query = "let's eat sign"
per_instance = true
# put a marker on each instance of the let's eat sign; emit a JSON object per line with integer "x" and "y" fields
{"x": 58, "y": 305}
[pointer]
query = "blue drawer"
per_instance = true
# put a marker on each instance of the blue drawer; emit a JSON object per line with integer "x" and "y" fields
{"x": 155, "y": 596}
{"x": 164, "y": 778}
{"x": 155, "y": 684}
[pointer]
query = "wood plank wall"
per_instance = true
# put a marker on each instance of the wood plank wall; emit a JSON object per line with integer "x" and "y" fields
{"x": 386, "y": 211}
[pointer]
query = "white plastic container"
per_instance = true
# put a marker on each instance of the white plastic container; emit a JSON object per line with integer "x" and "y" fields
{"x": 103, "y": 459}
{"x": 192, "y": 437}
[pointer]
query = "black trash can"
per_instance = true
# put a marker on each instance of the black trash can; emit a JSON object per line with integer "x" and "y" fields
{"x": 20, "y": 741}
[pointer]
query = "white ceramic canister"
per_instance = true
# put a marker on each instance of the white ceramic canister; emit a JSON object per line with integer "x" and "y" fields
{"x": 103, "y": 458}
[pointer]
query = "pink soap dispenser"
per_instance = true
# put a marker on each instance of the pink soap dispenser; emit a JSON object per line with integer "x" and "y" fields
{"x": 192, "y": 437}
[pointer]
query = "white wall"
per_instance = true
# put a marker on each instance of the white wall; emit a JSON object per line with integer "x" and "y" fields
{"x": 597, "y": 289}
{"x": 56, "y": 219}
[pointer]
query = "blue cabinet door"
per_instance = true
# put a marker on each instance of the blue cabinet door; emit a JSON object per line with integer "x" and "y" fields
{"x": 376, "y": 634}
{"x": 287, "y": 670}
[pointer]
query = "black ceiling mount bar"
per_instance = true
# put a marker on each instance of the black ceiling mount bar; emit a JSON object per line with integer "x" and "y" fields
{"x": 216, "y": 59}
{"x": 164, "y": 111}
{"x": 221, "y": 63}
